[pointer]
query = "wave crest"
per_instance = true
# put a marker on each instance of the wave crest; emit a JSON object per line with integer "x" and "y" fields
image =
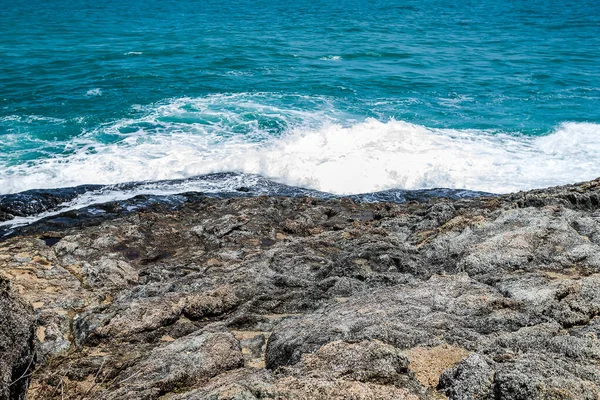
{"x": 308, "y": 147}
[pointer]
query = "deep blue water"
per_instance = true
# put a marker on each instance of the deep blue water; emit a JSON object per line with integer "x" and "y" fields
{"x": 340, "y": 96}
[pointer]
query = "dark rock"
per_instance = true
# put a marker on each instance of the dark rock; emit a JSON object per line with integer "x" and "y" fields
{"x": 37, "y": 201}
{"x": 17, "y": 345}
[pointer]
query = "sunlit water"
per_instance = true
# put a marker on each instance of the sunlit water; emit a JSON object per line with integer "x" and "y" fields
{"x": 337, "y": 96}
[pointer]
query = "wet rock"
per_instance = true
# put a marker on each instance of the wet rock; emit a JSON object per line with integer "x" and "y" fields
{"x": 37, "y": 201}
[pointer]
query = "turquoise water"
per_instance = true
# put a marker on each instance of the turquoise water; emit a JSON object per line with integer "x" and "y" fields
{"x": 340, "y": 96}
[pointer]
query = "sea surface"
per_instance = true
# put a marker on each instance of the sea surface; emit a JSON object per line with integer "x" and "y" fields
{"x": 337, "y": 96}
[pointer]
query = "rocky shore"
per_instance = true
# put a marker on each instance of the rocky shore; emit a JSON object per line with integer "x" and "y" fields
{"x": 300, "y": 298}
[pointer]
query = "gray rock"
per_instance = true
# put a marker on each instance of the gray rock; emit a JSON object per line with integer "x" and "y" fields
{"x": 299, "y": 298}
{"x": 182, "y": 363}
{"x": 472, "y": 378}
{"x": 17, "y": 343}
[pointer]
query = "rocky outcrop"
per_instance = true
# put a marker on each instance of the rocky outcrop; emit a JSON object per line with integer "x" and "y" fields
{"x": 17, "y": 346}
{"x": 300, "y": 298}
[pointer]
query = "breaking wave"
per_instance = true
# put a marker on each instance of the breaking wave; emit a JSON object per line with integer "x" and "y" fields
{"x": 306, "y": 142}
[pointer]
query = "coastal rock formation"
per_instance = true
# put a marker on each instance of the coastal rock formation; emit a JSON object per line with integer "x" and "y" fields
{"x": 300, "y": 298}
{"x": 17, "y": 348}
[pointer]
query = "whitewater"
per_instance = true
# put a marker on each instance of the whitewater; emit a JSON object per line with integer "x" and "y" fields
{"x": 318, "y": 149}
{"x": 330, "y": 98}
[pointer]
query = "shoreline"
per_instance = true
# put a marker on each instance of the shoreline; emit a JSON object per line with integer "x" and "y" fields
{"x": 298, "y": 297}
{"x": 24, "y": 211}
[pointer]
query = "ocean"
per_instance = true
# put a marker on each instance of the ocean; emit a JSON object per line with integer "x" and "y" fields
{"x": 343, "y": 97}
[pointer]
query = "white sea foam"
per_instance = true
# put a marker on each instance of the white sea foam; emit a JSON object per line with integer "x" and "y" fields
{"x": 32, "y": 119}
{"x": 314, "y": 150}
{"x": 94, "y": 92}
{"x": 331, "y": 58}
{"x": 239, "y": 73}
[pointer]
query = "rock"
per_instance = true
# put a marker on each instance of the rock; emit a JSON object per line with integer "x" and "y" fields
{"x": 17, "y": 343}
{"x": 428, "y": 363}
{"x": 472, "y": 378}
{"x": 209, "y": 304}
{"x": 302, "y": 298}
{"x": 294, "y": 388}
{"x": 109, "y": 272}
{"x": 366, "y": 361}
{"x": 182, "y": 363}
{"x": 37, "y": 201}
{"x": 444, "y": 309}
{"x": 132, "y": 318}
{"x": 339, "y": 370}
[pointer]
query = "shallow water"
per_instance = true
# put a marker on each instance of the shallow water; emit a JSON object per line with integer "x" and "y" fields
{"x": 337, "y": 96}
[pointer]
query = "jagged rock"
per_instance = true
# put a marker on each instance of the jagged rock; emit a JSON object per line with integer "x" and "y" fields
{"x": 338, "y": 370}
{"x": 300, "y": 298}
{"x": 444, "y": 309}
{"x": 17, "y": 346}
{"x": 185, "y": 362}
{"x": 472, "y": 378}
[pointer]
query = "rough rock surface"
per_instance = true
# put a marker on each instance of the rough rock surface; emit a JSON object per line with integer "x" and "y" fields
{"x": 17, "y": 348}
{"x": 298, "y": 298}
